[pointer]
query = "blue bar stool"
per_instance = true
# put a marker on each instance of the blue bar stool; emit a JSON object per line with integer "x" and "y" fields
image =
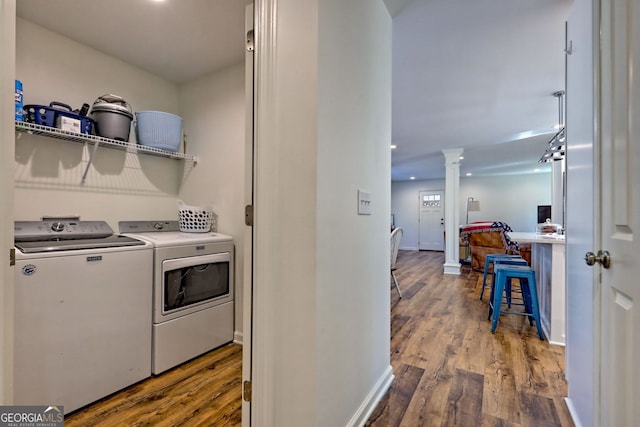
{"x": 490, "y": 258}
{"x": 511, "y": 260}
{"x": 507, "y": 288}
{"x": 527, "y": 277}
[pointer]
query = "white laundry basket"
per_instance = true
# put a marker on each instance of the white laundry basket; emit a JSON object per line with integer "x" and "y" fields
{"x": 194, "y": 219}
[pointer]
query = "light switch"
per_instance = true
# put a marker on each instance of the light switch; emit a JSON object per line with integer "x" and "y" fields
{"x": 364, "y": 203}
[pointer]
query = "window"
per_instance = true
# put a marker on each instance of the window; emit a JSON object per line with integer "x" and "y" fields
{"x": 431, "y": 201}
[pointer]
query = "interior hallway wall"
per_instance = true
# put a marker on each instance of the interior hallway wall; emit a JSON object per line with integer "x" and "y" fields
{"x": 321, "y": 277}
{"x": 214, "y": 111}
{"x": 583, "y": 285}
{"x": 512, "y": 199}
{"x": 353, "y": 251}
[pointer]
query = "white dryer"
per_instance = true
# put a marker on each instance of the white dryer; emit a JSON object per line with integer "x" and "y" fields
{"x": 193, "y": 290}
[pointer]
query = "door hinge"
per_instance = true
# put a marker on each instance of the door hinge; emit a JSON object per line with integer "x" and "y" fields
{"x": 246, "y": 391}
{"x": 12, "y": 256}
{"x": 250, "y": 41}
{"x": 248, "y": 215}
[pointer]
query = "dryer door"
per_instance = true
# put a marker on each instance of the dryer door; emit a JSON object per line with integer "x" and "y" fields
{"x": 193, "y": 283}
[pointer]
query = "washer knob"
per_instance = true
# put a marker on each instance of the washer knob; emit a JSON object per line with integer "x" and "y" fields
{"x": 57, "y": 226}
{"x": 158, "y": 226}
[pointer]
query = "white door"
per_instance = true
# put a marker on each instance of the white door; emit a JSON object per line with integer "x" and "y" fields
{"x": 431, "y": 230}
{"x": 620, "y": 212}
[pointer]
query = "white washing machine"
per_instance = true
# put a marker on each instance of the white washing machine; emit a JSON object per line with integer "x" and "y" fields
{"x": 193, "y": 290}
{"x": 82, "y": 312}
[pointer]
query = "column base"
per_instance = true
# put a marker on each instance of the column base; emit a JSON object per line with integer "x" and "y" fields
{"x": 452, "y": 268}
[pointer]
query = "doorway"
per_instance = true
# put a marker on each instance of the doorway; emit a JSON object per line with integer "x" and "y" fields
{"x": 431, "y": 221}
{"x": 161, "y": 199}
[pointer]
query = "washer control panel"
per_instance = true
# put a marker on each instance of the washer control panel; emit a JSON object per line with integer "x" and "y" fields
{"x": 52, "y": 230}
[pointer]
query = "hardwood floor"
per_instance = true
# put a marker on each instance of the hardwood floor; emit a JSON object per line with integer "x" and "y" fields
{"x": 451, "y": 370}
{"x": 203, "y": 392}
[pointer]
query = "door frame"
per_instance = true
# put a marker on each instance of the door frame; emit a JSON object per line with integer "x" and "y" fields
{"x": 597, "y": 214}
{"x": 264, "y": 111}
{"x": 7, "y": 155}
{"x": 247, "y": 302}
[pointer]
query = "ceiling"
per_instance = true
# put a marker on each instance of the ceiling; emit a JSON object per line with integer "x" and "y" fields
{"x": 477, "y": 75}
{"x": 196, "y": 36}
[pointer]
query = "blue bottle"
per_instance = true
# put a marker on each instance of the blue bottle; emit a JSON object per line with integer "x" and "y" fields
{"x": 19, "y": 103}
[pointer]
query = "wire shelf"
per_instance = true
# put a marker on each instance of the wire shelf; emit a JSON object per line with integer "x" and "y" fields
{"x": 34, "y": 129}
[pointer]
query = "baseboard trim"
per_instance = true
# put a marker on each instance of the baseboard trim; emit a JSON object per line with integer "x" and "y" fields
{"x": 572, "y": 412}
{"x": 238, "y": 337}
{"x": 373, "y": 398}
{"x": 408, "y": 248}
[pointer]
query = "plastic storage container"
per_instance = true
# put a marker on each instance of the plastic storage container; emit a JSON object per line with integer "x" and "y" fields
{"x": 159, "y": 130}
{"x": 194, "y": 219}
{"x": 53, "y": 114}
{"x": 113, "y": 117}
{"x": 19, "y": 103}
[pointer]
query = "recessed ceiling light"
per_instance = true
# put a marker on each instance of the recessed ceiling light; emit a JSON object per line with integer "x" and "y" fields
{"x": 412, "y": 177}
{"x": 469, "y": 174}
{"x": 394, "y": 146}
{"x": 536, "y": 170}
{"x": 461, "y": 157}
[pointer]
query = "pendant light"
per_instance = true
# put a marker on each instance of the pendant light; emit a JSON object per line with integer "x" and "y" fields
{"x": 556, "y": 146}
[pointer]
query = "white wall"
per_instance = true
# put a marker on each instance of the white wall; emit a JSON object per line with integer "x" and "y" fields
{"x": 582, "y": 280}
{"x": 354, "y": 135}
{"x": 512, "y": 199}
{"x": 214, "y": 108}
{"x": 48, "y": 172}
{"x": 321, "y": 271}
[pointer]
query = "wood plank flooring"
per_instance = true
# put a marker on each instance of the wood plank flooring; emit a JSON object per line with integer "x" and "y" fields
{"x": 203, "y": 392}
{"x": 451, "y": 370}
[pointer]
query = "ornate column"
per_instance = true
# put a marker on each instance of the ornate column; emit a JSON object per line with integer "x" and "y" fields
{"x": 452, "y": 210}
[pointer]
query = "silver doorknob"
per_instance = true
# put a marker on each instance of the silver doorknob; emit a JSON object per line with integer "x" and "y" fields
{"x": 603, "y": 257}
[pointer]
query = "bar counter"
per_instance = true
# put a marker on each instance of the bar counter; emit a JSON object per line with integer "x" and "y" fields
{"x": 548, "y": 261}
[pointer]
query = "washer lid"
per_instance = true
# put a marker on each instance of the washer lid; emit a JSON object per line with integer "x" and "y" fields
{"x": 113, "y": 241}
